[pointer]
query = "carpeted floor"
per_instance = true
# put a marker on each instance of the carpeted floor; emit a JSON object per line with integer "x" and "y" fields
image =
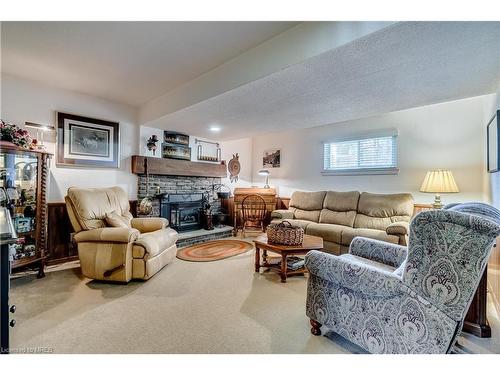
{"x": 189, "y": 307}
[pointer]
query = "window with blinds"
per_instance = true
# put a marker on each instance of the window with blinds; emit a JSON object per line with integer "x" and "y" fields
{"x": 374, "y": 155}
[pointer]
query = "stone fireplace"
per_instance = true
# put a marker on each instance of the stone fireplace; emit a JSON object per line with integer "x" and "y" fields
{"x": 183, "y": 211}
{"x": 179, "y": 186}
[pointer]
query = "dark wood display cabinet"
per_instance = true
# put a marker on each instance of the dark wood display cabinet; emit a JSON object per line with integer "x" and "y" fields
{"x": 23, "y": 191}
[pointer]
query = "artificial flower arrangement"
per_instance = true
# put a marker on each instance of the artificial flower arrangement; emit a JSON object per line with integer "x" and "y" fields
{"x": 14, "y": 134}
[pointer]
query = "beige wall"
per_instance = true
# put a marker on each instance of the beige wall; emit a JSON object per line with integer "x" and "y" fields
{"x": 24, "y": 100}
{"x": 448, "y": 135}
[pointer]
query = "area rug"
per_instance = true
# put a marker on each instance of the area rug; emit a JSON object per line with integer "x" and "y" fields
{"x": 213, "y": 250}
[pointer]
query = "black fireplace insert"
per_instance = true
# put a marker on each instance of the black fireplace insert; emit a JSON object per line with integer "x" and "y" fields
{"x": 183, "y": 211}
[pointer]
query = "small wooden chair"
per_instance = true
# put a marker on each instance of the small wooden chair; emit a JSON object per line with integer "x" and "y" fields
{"x": 253, "y": 211}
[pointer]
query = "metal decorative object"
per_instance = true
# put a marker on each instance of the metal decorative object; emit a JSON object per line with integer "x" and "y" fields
{"x": 234, "y": 168}
{"x": 151, "y": 143}
{"x": 146, "y": 204}
{"x": 204, "y": 157}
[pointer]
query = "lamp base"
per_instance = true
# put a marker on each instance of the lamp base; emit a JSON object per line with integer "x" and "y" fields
{"x": 437, "y": 204}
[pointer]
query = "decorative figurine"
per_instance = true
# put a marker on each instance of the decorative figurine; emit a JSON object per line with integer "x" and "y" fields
{"x": 151, "y": 144}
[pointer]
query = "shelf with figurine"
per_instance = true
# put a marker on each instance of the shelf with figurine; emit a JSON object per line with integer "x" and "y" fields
{"x": 23, "y": 191}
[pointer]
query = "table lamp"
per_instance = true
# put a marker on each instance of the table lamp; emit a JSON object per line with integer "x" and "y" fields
{"x": 265, "y": 172}
{"x": 437, "y": 182}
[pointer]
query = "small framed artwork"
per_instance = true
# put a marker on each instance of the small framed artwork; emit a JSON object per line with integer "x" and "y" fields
{"x": 271, "y": 159}
{"x": 172, "y": 151}
{"x": 87, "y": 142}
{"x": 176, "y": 138}
{"x": 492, "y": 142}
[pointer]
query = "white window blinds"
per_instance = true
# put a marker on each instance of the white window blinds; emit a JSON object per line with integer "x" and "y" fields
{"x": 367, "y": 154}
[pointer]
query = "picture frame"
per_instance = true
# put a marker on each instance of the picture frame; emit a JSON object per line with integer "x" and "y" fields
{"x": 87, "y": 142}
{"x": 175, "y": 138}
{"x": 173, "y": 151}
{"x": 271, "y": 158}
{"x": 492, "y": 143}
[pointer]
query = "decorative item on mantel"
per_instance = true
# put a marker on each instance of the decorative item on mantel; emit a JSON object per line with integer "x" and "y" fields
{"x": 176, "y": 146}
{"x": 151, "y": 143}
{"x": 439, "y": 181}
{"x": 234, "y": 167}
{"x": 206, "y": 157}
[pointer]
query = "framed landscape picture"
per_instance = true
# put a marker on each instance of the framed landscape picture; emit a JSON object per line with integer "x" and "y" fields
{"x": 87, "y": 142}
{"x": 271, "y": 159}
{"x": 492, "y": 143}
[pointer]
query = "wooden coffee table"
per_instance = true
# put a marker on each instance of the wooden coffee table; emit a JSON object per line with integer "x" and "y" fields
{"x": 310, "y": 243}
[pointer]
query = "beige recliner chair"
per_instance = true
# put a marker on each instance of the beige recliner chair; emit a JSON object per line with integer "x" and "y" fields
{"x": 136, "y": 250}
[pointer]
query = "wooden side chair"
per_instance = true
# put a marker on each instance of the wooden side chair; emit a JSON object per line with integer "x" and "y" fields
{"x": 253, "y": 211}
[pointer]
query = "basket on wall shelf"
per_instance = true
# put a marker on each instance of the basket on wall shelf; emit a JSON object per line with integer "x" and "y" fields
{"x": 285, "y": 233}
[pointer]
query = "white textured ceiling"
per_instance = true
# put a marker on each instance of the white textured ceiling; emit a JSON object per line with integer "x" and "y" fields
{"x": 130, "y": 62}
{"x": 403, "y": 66}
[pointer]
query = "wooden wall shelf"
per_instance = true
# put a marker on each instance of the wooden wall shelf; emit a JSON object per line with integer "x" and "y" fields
{"x": 173, "y": 167}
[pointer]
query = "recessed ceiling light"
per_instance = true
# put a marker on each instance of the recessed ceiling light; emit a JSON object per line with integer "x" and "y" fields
{"x": 215, "y": 129}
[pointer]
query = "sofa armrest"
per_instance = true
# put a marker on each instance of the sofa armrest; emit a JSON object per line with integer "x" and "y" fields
{"x": 149, "y": 224}
{"x": 379, "y": 251}
{"x": 398, "y": 228}
{"x": 120, "y": 235}
{"x": 355, "y": 276}
{"x": 282, "y": 214}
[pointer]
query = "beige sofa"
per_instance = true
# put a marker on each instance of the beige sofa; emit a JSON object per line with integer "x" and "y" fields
{"x": 338, "y": 217}
{"x": 136, "y": 251}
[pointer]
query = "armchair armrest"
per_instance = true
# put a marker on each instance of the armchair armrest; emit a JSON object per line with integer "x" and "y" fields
{"x": 282, "y": 214}
{"x": 120, "y": 235}
{"x": 148, "y": 224}
{"x": 355, "y": 276}
{"x": 398, "y": 228}
{"x": 379, "y": 251}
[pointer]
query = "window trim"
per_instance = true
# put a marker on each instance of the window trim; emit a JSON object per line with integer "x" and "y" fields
{"x": 393, "y": 170}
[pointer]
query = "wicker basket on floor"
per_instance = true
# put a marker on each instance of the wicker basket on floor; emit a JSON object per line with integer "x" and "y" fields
{"x": 285, "y": 233}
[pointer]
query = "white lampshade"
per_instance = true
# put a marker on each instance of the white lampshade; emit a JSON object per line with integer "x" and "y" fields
{"x": 439, "y": 181}
{"x": 264, "y": 172}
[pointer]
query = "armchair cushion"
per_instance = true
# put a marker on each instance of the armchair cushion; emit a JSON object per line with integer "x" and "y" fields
{"x": 114, "y": 219}
{"x": 378, "y": 251}
{"x": 120, "y": 235}
{"x": 398, "y": 228}
{"x": 282, "y": 214}
{"x": 153, "y": 243}
{"x": 149, "y": 224}
{"x": 360, "y": 277}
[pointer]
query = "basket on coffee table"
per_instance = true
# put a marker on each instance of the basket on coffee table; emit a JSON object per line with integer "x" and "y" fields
{"x": 285, "y": 233}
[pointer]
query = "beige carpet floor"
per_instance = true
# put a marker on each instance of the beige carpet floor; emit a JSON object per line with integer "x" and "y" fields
{"x": 216, "y": 307}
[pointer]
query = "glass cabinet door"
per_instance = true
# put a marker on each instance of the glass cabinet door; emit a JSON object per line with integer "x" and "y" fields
{"x": 18, "y": 192}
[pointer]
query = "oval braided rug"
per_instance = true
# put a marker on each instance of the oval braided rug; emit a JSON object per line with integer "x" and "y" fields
{"x": 213, "y": 250}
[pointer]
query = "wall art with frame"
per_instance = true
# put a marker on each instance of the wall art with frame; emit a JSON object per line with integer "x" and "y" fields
{"x": 87, "y": 142}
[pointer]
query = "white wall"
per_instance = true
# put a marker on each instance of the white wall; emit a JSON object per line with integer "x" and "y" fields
{"x": 24, "y": 100}
{"x": 448, "y": 135}
{"x": 492, "y": 180}
{"x": 244, "y": 148}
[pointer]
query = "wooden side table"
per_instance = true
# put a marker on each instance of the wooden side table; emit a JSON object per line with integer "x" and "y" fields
{"x": 310, "y": 243}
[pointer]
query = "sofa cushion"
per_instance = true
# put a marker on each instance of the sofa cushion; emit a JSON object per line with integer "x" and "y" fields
{"x": 312, "y": 215}
{"x": 349, "y": 233}
{"x": 114, "y": 219}
{"x": 335, "y": 217}
{"x": 378, "y": 211}
{"x": 308, "y": 201}
{"x": 329, "y": 232}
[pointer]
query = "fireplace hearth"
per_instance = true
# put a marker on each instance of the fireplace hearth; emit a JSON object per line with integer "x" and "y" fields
{"x": 183, "y": 211}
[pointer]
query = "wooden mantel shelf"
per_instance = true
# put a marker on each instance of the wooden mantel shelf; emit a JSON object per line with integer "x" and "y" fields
{"x": 173, "y": 167}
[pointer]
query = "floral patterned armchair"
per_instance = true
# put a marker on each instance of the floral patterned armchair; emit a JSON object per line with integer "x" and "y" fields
{"x": 392, "y": 299}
